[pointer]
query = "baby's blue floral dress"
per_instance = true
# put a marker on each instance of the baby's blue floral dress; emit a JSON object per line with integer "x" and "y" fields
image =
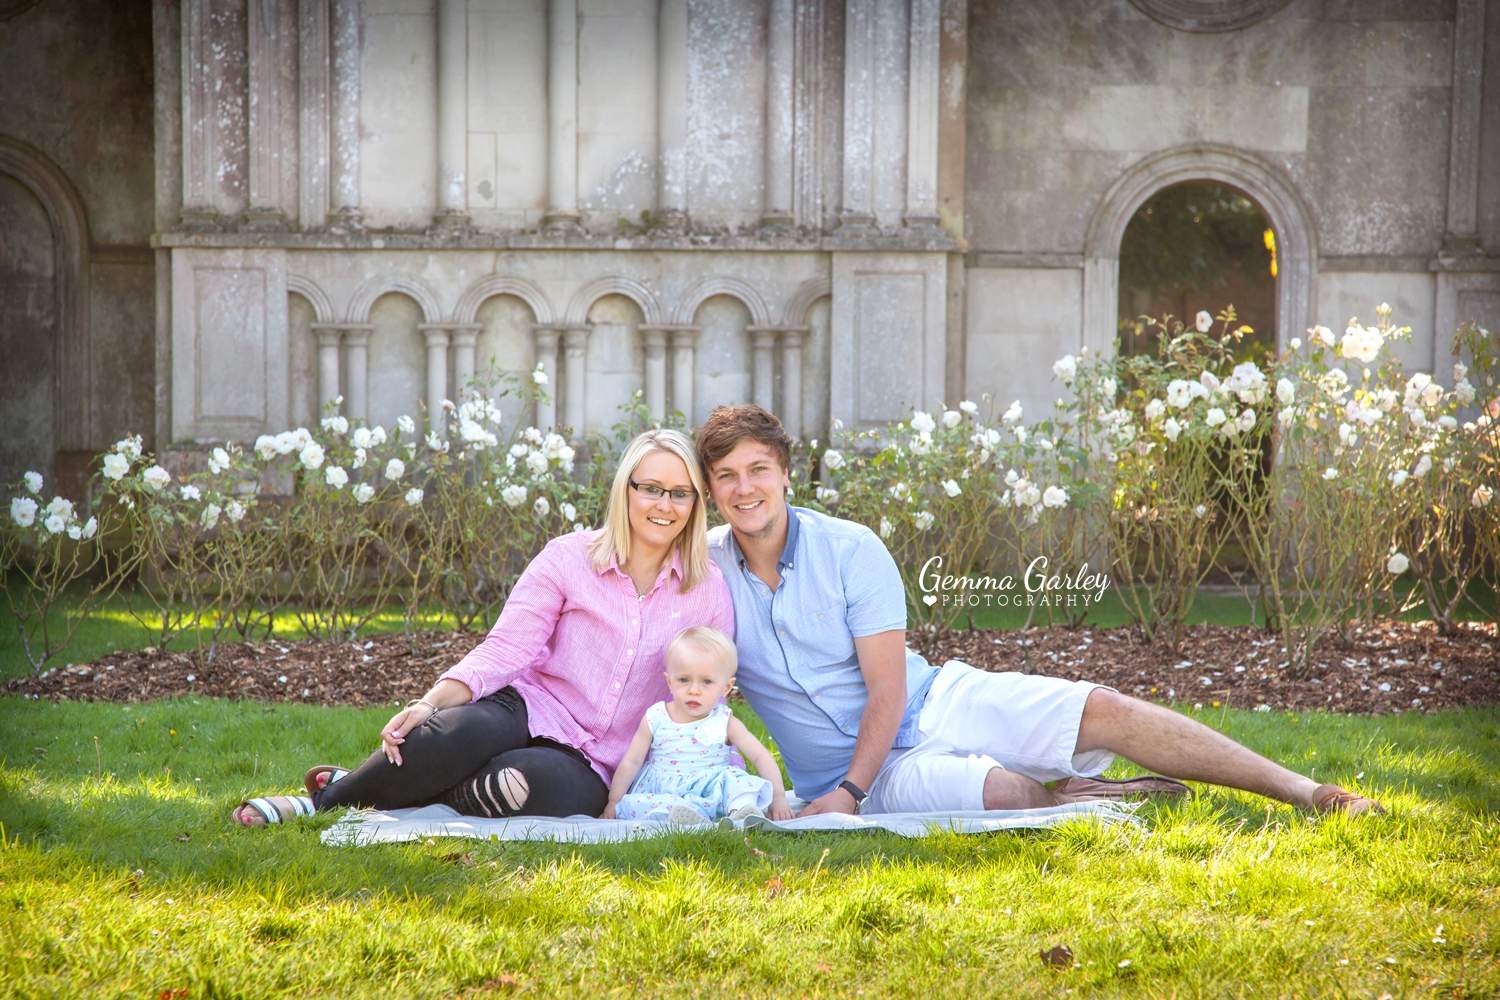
{"x": 689, "y": 765}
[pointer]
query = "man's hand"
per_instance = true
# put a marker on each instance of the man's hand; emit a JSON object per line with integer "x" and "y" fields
{"x": 836, "y": 801}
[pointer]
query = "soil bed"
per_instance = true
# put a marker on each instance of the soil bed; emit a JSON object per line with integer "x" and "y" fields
{"x": 1395, "y": 667}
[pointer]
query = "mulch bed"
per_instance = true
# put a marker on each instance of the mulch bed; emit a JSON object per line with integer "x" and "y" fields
{"x": 1394, "y": 668}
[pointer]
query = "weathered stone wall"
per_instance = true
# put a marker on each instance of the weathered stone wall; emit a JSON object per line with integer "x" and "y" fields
{"x": 76, "y": 217}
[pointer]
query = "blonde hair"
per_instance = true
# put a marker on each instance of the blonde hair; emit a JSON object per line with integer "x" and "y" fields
{"x": 710, "y": 640}
{"x": 691, "y": 543}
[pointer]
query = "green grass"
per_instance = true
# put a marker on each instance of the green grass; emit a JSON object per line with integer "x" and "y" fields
{"x": 121, "y": 876}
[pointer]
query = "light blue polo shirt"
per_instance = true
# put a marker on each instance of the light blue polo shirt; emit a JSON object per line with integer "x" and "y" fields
{"x": 798, "y": 667}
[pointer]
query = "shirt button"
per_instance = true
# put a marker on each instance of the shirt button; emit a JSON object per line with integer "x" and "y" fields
{"x": 617, "y": 683}
{"x": 635, "y": 621}
{"x": 629, "y": 652}
{"x": 817, "y": 697}
{"x": 820, "y": 618}
{"x": 781, "y": 633}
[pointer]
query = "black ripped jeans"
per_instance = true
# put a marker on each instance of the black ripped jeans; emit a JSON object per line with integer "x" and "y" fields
{"x": 454, "y": 757}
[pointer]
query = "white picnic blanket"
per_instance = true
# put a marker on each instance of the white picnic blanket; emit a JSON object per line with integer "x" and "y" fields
{"x": 370, "y": 826}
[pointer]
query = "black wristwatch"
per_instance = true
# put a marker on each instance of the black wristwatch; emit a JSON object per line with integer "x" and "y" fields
{"x": 859, "y": 794}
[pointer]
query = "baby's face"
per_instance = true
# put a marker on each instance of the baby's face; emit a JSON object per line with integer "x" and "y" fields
{"x": 697, "y": 678}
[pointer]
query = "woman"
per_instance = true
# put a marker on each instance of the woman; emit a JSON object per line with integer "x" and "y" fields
{"x": 536, "y": 718}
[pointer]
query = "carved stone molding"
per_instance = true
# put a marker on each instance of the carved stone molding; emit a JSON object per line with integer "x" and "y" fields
{"x": 1208, "y": 16}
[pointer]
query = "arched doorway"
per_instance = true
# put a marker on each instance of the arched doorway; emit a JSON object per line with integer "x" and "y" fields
{"x": 29, "y": 321}
{"x": 1198, "y": 246}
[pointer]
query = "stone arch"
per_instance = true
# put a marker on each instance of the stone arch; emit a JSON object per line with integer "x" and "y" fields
{"x": 74, "y": 372}
{"x": 418, "y": 291}
{"x": 1296, "y": 236}
{"x": 526, "y": 291}
{"x": 583, "y": 300}
{"x": 707, "y": 288}
{"x": 802, "y": 300}
{"x": 316, "y": 297}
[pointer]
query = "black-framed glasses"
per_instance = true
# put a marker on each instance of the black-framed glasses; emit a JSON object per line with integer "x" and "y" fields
{"x": 680, "y": 497}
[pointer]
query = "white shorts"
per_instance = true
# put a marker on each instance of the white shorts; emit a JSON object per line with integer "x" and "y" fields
{"x": 973, "y": 721}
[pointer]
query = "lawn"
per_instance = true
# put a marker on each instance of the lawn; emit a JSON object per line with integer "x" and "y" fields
{"x": 121, "y": 876}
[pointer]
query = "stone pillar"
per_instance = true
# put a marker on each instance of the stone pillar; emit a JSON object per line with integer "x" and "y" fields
{"x": 453, "y": 114}
{"x": 329, "y": 338}
{"x": 345, "y": 43}
{"x": 791, "y": 380}
{"x": 763, "y": 369}
{"x": 780, "y": 59}
{"x": 656, "y": 370}
{"x": 562, "y": 118}
{"x": 546, "y": 358}
{"x": 683, "y": 340}
{"x": 575, "y": 346}
{"x": 671, "y": 115}
{"x": 313, "y": 104}
{"x": 807, "y": 120}
{"x": 465, "y": 339}
{"x": 267, "y": 39}
{"x": 198, "y": 159}
{"x": 857, "y": 215}
{"x": 1463, "y": 150}
{"x": 922, "y": 115}
{"x": 437, "y": 371}
{"x": 357, "y": 373}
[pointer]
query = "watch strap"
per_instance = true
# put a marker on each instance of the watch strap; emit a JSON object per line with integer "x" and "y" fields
{"x": 859, "y": 794}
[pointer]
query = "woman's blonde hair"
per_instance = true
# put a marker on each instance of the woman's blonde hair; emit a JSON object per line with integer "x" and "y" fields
{"x": 614, "y": 538}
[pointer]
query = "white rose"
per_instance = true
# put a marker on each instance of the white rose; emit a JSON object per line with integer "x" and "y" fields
{"x": 1055, "y": 496}
{"x": 551, "y": 445}
{"x": 1210, "y": 383}
{"x": 435, "y": 442}
{"x": 1447, "y": 423}
{"x": 360, "y": 458}
{"x": 1285, "y": 391}
{"x": 1012, "y": 414}
{"x": 833, "y": 460}
{"x": 923, "y": 422}
{"x": 235, "y": 511}
{"x": 1179, "y": 393}
{"x": 156, "y": 477}
{"x": 1108, "y": 387}
{"x": 218, "y": 461}
{"x": 1460, "y": 370}
{"x": 210, "y": 515}
{"x": 336, "y": 423}
{"x": 130, "y": 447}
{"x": 91, "y": 528}
{"x": 364, "y": 493}
{"x": 1155, "y": 409}
{"x": 1399, "y": 477}
{"x": 335, "y": 477}
{"x": 885, "y": 527}
{"x": 363, "y": 438}
{"x": 1286, "y": 415}
{"x": 1296, "y": 343}
{"x": 1481, "y": 496}
{"x": 1414, "y": 388}
{"x": 827, "y": 496}
{"x": 1397, "y": 564}
{"x": 569, "y": 512}
{"x": 1203, "y": 321}
{"x": 1215, "y": 417}
{"x": 23, "y": 511}
{"x": 395, "y": 469}
{"x": 1172, "y": 428}
{"x": 266, "y": 448}
{"x": 406, "y": 425}
{"x": 1066, "y": 369}
{"x": 33, "y": 482}
{"x": 1464, "y": 391}
{"x": 1247, "y": 420}
{"x": 60, "y": 507}
{"x": 1347, "y": 437}
{"x": 1431, "y": 394}
{"x": 565, "y": 456}
{"x": 1200, "y": 511}
{"x": 1424, "y": 466}
{"x": 56, "y": 524}
{"x": 413, "y": 497}
{"x": 952, "y": 418}
{"x": 578, "y": 526}
{"x": 115, "y": 467}
{"x": 1322, "y": 333}
{"x": 969, "y": 406}
{"x": 541, "y": 507}
{"x": 536, "y": 462}
{"x": 925, "y": 520}
{"x": 1330, "y": 473}
{"x": 538, "y": 376}
{"x": 513, "y": 495}
{"x": 950, "y": 486}
{"x": 311, "y": 456}
{"x": 1362, "y": 344}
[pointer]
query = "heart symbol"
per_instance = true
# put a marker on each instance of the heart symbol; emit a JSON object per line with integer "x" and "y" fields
{"x": 930, "y": 600}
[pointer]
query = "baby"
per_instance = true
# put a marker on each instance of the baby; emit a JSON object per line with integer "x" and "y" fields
{"x": 684, "y": 746}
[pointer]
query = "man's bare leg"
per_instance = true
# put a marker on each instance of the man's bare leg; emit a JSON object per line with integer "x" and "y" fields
{"x": 1166, "y": 742}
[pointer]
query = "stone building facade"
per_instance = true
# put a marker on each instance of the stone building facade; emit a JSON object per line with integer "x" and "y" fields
{"x": 215, "y": 215}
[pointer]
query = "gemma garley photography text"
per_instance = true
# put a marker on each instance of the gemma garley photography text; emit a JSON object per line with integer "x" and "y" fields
{"x": 1035, "y": 589}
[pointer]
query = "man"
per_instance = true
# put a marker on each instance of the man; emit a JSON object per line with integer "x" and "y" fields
{"x": 820, "y": 619}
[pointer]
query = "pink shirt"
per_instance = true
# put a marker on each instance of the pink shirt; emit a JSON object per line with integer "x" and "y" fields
{"x": 584, "y": 652}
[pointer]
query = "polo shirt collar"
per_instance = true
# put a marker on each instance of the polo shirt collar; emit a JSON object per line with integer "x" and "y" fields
{"x": 789, "y": 553}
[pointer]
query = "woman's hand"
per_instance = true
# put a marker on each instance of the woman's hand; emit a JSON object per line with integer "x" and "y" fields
{"x": 780, "y": 811}
{"x": 403, "y": 722}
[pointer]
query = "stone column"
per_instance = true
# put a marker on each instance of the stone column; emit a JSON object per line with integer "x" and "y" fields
{"x": 357, "y": 374}
{"x": 575, "y": 347}
{"x": 313, "y": 104}
{"x": 763, "y": 368}
{"x": 453, "y": 114}
{"x": 671, "y": 115}
{"x": 857, "y": 216}
{"x": 437, "y": 371}
{"x": 546, "y": 357}
{"x": 329, "y": 338}
{"x": 198, "y": 160}
{"x": 1463, "y": 157}
{"x": 562, "y": 118}
{"x": 922, "y": 115}
{"x": 267, "y": 41}
{"x": 656, "y": 369}
{"x": 780, "y": 58}
{"x": 464, "y": 340}
{"x": 807, "y": 118}
{"x": 684, "y": 338}
{"x": 791, "y": 380}
{"x": 345, "y": 44}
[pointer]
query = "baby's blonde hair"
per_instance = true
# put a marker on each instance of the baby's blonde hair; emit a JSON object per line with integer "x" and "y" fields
{"x": 710, "y": 640}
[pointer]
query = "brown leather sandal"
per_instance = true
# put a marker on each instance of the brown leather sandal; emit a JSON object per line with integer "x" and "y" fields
{"x": 310, "y": 779}
{"x": 1147, "y": 785}
{"x": 1333, "y": 799}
